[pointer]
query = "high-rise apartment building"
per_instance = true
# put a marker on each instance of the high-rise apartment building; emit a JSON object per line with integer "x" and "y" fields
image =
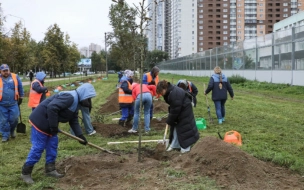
{"x": 191, "y": 26}
{"x": 94, "y": 47}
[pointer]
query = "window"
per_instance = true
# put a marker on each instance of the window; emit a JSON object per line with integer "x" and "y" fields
{"x": 261, "y": 15}
{"x": 285, "y": 10}
{"x": 225, "y": 38}
{"x": 285, "y": 15}
{"x": 239, "y": 37}
{"x": 200, "y": 49}
{"x": 192, "y": 37}
{"x": 200, "y": 22}
{"x": 239, "y": 32}
{"x": 225, "y": 43}
{"x": 239, "y": 26}
{"x": 239, "y": 4}
{"x": 239, "y": 16}
{"x": 192, "y": 32}
{"x": 261, "y": 4}
{"x": 200, "y": 27}
{"x": 261, "y": 26}
{"x": 224, "y": 10}
{"x": 285, "y": 4}
{"x": 201, "y": 38}
{"x": 201, "y": 43}
{"x": 225, "y": 27}
{"x": 224, "y": 16}
{"x": 239, "y": 10}
{"x": 193, "y": 10}
{"x": 201, "y": 33}
{"x": 261, "y": 32}
{"x": 201, "y": 11}
{"x": 261, "y": 10}
{"x": 200, "y": 16}
{"x": 225, "y": 32}
{"x": 193, "y": 43}
{"x": 225, "y": 21}
{"x": 239, "y": 21}
{"x": 225, "y": 5}
{"x": 192, "y": 16}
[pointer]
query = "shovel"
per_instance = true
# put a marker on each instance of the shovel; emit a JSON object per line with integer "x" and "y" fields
{"x": 165, "y": 141}
{"x": 21, "y": 127}
{"x": 90, "y": 144}
{"x": 160, "y": 118}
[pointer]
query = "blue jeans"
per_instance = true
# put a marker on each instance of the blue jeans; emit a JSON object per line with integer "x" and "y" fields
{"x": 41, "y": 142}
{"x": 147, "y": 102}
{"x": 175, "y": 142}
{"x": 126, "y": 112}
{"x": 86, "y": 119}
{"x": 220, "y": 108}
{"x": 8, "y": 119}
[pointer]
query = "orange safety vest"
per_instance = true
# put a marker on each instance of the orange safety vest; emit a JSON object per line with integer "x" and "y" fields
{"x": 34, "y": 97}
{"x": 149, "y": 78}
{"x": 14, "y": 76}
{"x": 123, "y": 97}
{"x": 189, "y": 86}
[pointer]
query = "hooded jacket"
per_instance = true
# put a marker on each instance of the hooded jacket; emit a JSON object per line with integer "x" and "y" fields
{"x": 181, "y": 116}
{"x": 214, "y": 85}
{"x": 36, "y": 86}
{"x": 62, "y": 107}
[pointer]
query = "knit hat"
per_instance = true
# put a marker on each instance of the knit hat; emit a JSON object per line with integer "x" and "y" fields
{"x": 128, "y": 73}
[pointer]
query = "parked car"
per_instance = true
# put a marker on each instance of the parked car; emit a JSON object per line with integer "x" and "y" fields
{"x": 78, "y": 73}
{"x": 111, "y": 72}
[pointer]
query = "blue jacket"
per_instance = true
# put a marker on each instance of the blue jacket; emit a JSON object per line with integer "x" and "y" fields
{"x": 217, "y": 93}
{"x": 62, "y": 107}
{"x": 36, "y": 86}
{"x": 8, "y": 94}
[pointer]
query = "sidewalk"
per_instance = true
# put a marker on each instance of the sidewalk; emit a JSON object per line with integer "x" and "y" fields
{"x": 47, "y": 80}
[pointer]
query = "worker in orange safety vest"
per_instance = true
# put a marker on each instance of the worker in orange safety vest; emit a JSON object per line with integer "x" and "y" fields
{"x": 38, "y": 91}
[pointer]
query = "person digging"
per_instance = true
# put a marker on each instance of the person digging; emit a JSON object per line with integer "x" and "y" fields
{"x": 62, "y": 107}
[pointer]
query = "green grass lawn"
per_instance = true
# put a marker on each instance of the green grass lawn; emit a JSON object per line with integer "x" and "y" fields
{"x": 268, "y": 116}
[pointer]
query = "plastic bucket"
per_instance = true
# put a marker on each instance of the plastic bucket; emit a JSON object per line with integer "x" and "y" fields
{"x": 200, "y": 123}
{"x": 233, "y": 137}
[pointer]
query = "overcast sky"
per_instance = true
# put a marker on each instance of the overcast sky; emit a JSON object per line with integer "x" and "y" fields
{"x": 85, "y": 21}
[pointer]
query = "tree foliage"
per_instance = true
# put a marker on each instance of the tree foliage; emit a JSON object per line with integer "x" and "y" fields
{"x": 155, "y": 56}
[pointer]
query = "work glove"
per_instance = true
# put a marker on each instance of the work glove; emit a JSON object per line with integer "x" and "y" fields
{"x": 54, "y": 131}
{"x": 20, "y": 101}
{"x": 83, "y": 138}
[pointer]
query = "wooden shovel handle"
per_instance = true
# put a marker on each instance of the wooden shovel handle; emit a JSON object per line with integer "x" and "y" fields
{"x": 90, "y": 144}
{"x": 166, "y": 132}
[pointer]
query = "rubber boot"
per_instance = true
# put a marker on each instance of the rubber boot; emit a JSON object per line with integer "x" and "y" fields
{"x": 26, "y": 174}
{"x": 122, "y": 123}
{"x": 50, "y": 171}
{"x": 129, "y": 119}
{"x": 220, "y": 121}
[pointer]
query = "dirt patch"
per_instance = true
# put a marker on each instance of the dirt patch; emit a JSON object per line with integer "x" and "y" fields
{"x": 111, "y": 105}
{"x": 111, "y": 130}
{"x": 231, "y": 167}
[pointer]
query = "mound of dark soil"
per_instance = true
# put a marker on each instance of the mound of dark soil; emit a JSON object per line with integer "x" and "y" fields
{"x": 227, "y": 164}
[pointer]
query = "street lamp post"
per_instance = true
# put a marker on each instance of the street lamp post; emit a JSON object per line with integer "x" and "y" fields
{"x": 106, "y": 54}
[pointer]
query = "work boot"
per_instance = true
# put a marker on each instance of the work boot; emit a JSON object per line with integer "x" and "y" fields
{"x": 4, "y": 139}
{"x": 13, "y": 134}
{"x": 129, "y": 119}
{"x": 122, "y": 123}
{"x": 51, "y": 171}
{"x": 26, "y": 174}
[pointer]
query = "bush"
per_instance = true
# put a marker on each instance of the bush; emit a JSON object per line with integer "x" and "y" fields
{"x": 237, "y": 79}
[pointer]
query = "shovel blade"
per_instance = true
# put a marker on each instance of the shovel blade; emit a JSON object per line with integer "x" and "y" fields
{"x": 21, "y": 128}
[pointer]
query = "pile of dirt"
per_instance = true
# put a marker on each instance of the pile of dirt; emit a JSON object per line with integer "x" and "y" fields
{"x": 111, "y": 105}
{"x": 228, "y": 165}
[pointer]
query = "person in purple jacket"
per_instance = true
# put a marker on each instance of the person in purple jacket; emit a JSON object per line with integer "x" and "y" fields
{"x": 62, "y": 107}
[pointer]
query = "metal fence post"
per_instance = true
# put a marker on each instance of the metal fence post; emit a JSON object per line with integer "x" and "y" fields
{"x": 292, "y": 53}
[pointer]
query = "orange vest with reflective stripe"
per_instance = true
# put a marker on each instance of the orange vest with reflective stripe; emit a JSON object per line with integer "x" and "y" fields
{"x": 189, "y": 86}
{"x": 34, "y": 97}
{"x": 125, "y": 98}
{"x": 14, "y": 77}
{"x": 149, "y": 78}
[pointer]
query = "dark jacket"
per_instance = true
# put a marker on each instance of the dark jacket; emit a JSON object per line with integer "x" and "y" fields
{"x": 40, "y": 89}
{"x": 62, "y": 107}
{"x": 181, "y": 116}
{"x": 217, "y": 93}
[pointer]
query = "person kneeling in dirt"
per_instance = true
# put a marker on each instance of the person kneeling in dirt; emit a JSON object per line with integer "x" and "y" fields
{"x": 62, "y": 107}
{"x": 183, "y": 130}
{"x": 190, "y": 88}
{"x": 125, "y": 98}
{"x": 38, "y": 91}
{"x": 147, "y": 92}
